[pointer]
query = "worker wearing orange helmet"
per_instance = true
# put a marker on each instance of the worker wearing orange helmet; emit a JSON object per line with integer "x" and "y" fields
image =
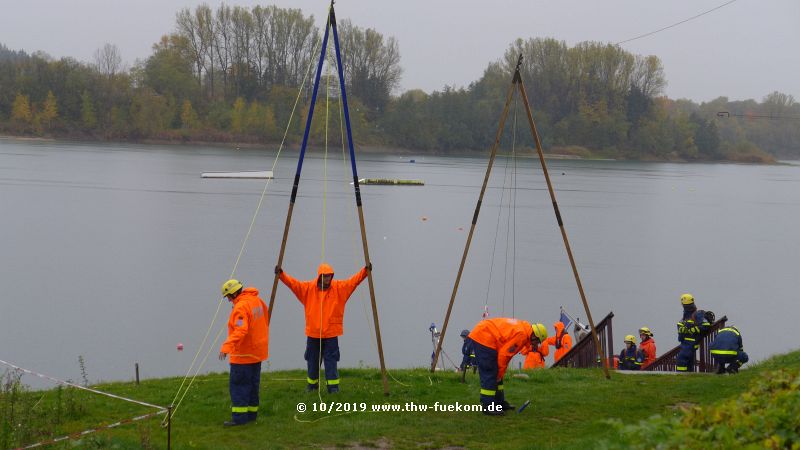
{"x": 324, "y": 300}
{"x": 562, "y": 341}
{"x": 535, "y": 358}
{"x": 496, "y": 341}
{"x": 248, "y": 345}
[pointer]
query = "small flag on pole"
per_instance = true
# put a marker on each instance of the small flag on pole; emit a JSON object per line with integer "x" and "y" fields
{"x": 565, "y": 319}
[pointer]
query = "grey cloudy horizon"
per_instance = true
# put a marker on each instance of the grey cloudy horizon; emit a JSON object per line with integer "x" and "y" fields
{"x": 742, "y": 51}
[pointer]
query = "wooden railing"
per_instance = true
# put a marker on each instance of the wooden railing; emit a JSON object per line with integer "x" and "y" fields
{"x": 667, "y": 361}
{"x": 583, "y": 354}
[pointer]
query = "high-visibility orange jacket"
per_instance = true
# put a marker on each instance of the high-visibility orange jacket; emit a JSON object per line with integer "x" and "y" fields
{"x": 535, "y": 358}
{"x": 507, "y": 336}
{"x": 648, "y": 346}
{"x": 561, "y": 341}
{"x": 248, "y": 329}
{"x": 324, "y": 308}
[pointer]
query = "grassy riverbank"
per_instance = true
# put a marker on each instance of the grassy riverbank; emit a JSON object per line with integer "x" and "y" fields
{"x": 569, "y": 409}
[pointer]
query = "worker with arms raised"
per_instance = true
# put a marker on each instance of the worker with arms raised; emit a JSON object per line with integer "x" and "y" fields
{"x": 496, "y": 341}
{"x": 248, "y": 345}
{"x": 324, "y": 300}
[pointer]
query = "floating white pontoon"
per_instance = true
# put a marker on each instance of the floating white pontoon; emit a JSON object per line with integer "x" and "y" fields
{"x": 264, "y": 174}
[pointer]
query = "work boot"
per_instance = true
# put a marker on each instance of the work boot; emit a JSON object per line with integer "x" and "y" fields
{"x": 733, "y": 370}
{"x": 333, "y": 389}
{"x": 720, "y": 369}
{"x": 500, "y": 399}
{"x": 311, "y": 387}
{"x": 507, "y": 406}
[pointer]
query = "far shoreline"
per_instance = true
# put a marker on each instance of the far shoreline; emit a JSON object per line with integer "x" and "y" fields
{"x": 568, "y": 154}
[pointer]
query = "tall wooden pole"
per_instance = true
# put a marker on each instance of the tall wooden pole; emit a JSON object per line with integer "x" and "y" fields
{"x": 297, "y": 173}
{"x": 518, "y": 81}
{"x": 357, "y": 190}
{"x": 474, "y": 222}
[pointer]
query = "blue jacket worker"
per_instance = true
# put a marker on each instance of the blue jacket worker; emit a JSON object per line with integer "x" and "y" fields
{"x": 468, "y": 352}
{"x": 727, "y": 351}
{"x": 630, "y": 358}
{"x": 691, "y": 329}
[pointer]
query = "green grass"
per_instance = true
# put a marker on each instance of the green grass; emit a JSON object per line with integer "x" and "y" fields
{"x": 570, "y": 408}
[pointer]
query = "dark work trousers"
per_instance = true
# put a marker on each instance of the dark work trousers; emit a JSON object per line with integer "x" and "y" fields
{"x": 244, "y": 383}
{"x": 733, "y": 362}
{"x": 330, "y": 355}
{"x": 491, "y": 389}
{"x": 685, "y": 359}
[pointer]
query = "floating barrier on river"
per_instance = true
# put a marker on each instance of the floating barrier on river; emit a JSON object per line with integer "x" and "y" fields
{"x": 391, "y": 182}
{"x": 263, "y": 175}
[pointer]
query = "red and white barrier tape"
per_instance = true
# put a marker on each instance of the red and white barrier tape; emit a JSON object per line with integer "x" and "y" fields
{"x": 77, "y": 386}
{"x": 93, "y": 430}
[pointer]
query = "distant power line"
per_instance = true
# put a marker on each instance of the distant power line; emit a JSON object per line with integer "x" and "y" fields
{"x": 757, "y": 116}
{"x": 676, "y": 24}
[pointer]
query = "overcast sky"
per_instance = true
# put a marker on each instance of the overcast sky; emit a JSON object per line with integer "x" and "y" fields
{"x": 744, "y": 50}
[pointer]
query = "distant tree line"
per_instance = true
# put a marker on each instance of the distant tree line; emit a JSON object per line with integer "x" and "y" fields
{"x": 233, "y": 75}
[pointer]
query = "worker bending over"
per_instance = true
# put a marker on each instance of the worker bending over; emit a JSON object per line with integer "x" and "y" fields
{"x": 496, "y": 341}
{"x": 324, "y": 300}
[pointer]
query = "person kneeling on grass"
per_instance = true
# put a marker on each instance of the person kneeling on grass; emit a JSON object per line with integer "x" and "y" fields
{"x": 496, "y": 341}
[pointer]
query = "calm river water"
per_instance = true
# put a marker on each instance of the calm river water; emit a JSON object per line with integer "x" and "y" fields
{"x": 116, "y": 253}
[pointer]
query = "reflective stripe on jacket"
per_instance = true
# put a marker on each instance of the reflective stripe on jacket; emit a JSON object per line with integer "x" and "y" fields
{"x": 507, "y": 336}
{"x": 248, "y": 329}
{"x": 727, "y": 342}
{"x": 324, "y": 308}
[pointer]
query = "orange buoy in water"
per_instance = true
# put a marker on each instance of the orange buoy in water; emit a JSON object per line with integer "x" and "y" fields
{"x": 180, "y": 347}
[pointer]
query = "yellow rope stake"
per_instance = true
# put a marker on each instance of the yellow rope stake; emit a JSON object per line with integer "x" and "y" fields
{"x": 238, "y": 257}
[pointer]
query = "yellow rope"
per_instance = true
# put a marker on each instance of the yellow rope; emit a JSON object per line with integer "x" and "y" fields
{"x": 239, "y": 256}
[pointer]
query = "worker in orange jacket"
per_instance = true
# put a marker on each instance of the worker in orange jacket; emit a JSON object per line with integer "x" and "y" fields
{"x": 535, "y": 358}
{"x": 248, "y": 345}
{"x": 496, "y": 341}
{"x": 324, "y": 300}
{"x": 562, "y": 341}
{"x": 647, "y": 346}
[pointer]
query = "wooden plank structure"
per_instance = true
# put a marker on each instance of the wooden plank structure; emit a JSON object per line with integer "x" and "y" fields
{"x": 584, "y": 354}
{"x": 667, "y": 361}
